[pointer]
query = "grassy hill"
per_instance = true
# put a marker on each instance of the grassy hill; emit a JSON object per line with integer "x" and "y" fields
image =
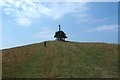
{"x": 61, "y": 59}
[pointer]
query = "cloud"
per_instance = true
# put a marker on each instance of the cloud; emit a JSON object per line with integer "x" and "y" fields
{"x": 101, "y": 20}
{"x": 23, "y": 21}
{"x": 90, "y": 18}
{"x": 104, "y": 28}
{"x": 69, "y": 0}
{"x": 58, "y": 10}
{"x": 46, "y": 33}
{"x": 28, "y": 10}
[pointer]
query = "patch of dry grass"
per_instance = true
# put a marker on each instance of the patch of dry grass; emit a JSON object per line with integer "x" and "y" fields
{"x": 61, "y": 59}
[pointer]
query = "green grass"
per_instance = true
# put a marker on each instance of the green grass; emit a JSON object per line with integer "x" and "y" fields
{"x": 61, "y": 60}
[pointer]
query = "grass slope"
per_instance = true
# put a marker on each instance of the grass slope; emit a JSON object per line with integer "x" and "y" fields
{"x": 61, "y": 59}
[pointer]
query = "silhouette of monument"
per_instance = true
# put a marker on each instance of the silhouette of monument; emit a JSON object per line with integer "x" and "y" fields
{"x": 60, "y": 35}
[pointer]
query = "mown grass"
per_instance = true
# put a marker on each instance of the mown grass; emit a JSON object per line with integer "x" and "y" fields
{"x": 61, "y": 60}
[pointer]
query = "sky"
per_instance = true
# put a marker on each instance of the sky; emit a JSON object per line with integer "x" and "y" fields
{"x": 28, "y": 21}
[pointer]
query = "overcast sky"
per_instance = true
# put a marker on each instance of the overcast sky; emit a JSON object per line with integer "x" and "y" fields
{"x": 26, "y": 22}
